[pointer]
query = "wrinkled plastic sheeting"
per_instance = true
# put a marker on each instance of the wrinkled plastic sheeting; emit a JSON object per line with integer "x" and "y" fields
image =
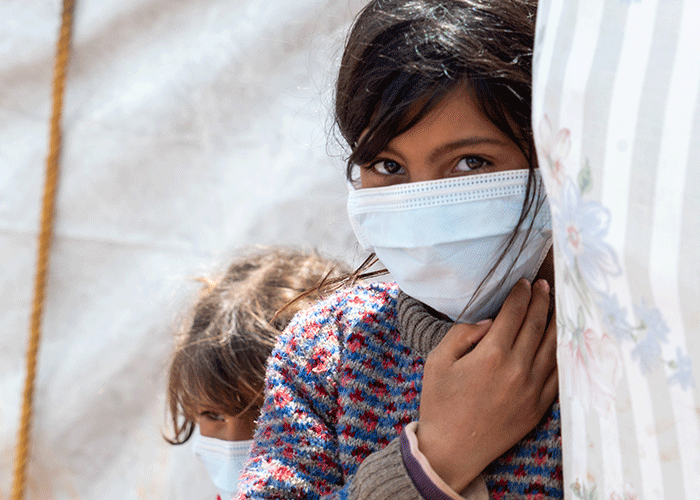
{"x": 191, "y": 128}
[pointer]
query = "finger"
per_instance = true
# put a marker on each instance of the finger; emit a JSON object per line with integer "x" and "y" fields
{"x": 533, "y": 328}
{"x": 546, "y": 357}
{"x": 549, "y": 390}
{"x": 507, "y": 324}
{"x": 462, "y": 337}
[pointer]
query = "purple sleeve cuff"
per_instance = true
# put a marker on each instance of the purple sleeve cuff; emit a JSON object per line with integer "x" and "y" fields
{"x": 423, "y": 483}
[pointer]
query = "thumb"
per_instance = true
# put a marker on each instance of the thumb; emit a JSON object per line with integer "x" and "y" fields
{"x": 462, "y": 337}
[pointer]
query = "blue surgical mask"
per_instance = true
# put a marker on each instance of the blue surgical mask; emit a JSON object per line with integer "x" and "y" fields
{"x": 224, "y": 460}
{"x": 439, "y": 239}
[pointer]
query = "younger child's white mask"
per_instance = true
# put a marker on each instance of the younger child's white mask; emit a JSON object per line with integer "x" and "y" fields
{"x": 439, "y": 239}
{"x": 224, "y": 460}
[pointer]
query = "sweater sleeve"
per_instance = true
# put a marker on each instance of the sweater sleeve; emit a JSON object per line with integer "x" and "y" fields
{"x": 426, "y": 480}
{"x": 295, "y": 451}
{"x": 400, "y": 471}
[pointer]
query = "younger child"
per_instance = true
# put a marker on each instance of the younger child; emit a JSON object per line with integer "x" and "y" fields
{"x": 218, "y": 369}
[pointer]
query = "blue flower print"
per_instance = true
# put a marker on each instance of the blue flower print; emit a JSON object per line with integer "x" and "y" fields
{"x": 652, "y": 321}
{"x": 614, "y": 318}
{"x": 648, "y": 350}
{"x": 684, "y": 374}
{"x": 581, "y": 228}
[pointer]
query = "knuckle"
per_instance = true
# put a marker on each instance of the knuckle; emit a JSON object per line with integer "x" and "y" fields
{"x": 437, "y": 355}
{"x": 496, "y": 355}
{"x": 436, "y": 366}
{"x": 431, "y": 364}
{"x": 517, "y": 375}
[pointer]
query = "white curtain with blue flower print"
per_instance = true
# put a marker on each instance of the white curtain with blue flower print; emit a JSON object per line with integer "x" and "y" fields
{"x": 616, "y": 114}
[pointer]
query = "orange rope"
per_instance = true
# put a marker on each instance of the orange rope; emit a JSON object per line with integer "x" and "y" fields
{"x": 45, "y": 233}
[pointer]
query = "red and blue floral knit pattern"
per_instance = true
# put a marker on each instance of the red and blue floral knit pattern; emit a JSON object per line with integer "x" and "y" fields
{"x": 342, "y": 384}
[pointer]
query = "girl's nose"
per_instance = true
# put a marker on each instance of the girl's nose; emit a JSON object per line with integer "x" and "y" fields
{"x": 230, "y": 430}
{"x": 238, "y": 429}
{"x": 425, "y": 176}
{"x": 422, "y": 172}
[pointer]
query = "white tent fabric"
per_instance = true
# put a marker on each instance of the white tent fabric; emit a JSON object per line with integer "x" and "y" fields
{"x": 192, "y": 128}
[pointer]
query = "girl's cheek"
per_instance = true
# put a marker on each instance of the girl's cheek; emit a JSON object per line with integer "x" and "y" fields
{"x": 207, "y": 427}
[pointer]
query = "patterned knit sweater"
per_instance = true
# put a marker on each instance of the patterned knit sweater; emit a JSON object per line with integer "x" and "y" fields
{"x": 342, "y": 383}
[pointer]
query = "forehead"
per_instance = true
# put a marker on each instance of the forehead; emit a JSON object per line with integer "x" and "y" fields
{"x": 208, "y": 398}
{"x": 456, "y": 117}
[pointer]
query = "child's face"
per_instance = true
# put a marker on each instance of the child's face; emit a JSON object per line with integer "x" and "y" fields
{"x": 225, "y": 427}
{"x": 453, "y": 139}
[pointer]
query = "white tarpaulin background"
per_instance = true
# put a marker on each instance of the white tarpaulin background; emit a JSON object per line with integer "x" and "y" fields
{"x": 191, "y": 128}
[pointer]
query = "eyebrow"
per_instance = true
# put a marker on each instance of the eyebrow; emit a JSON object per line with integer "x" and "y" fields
{"x": 446, "y": 148}
{"x": 470, "y": 141}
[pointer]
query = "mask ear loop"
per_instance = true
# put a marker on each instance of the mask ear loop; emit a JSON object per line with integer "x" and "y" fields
{"x": 527, "y": 206}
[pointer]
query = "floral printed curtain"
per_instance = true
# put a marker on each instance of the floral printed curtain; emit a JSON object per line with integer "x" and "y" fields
{"x": 616, "y": 113}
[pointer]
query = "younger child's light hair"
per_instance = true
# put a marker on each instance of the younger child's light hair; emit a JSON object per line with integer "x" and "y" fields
{"x": 219, "y": 361}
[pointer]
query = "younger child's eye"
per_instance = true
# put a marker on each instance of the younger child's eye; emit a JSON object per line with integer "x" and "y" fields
{"x": 386, "y": 167}
{"x": 469, "y": 163}
{"x": 210, "y": 415}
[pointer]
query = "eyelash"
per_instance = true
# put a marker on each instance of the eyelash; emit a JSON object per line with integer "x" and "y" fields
{"x": 372, "y": 167}
{"x": 484, "y": 162}
{"x": 214, "y": 417}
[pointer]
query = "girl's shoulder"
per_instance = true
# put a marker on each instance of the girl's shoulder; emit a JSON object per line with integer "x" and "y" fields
{"x": 351, "y": 304}
{"x": 318, "y": 338}
{"x": 363, "y": 297}
{"x": 325, "y": 324}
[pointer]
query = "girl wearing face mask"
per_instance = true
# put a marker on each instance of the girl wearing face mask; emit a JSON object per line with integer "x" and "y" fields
{"x": 442, "y": 384}
{"x": 217, "y": 372}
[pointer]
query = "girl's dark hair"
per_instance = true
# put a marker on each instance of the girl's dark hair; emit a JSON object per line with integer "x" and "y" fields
{"x": 219, "y": 361}
{"x": 403, "y": 54}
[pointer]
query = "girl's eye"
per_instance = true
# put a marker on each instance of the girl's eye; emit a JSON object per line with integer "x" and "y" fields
{"x": 469, "y": 163}
{"x": 386, "y": 167}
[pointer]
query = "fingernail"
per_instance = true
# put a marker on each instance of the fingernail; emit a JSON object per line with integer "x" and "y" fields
{"x": 484, "y": 321}
{"x": 544, "y": 285}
